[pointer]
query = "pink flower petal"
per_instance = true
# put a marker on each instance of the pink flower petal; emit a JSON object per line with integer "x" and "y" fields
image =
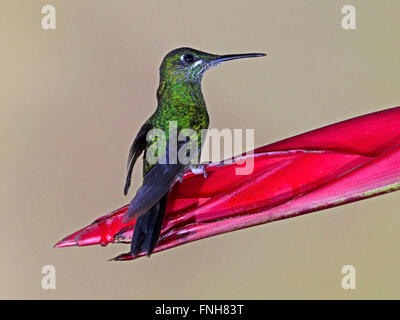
{"x": 327, "y": 167}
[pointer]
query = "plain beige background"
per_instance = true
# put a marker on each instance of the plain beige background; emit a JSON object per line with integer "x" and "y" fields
{"x": 72, "y": 99}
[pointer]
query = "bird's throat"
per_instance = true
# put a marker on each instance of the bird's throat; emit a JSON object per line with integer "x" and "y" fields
{"x": 180, "y": 93}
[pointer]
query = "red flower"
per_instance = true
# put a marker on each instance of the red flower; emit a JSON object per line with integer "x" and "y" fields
{"x": 327, "y": 167}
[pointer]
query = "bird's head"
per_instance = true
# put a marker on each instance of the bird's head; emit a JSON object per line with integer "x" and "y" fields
{"x": 186, "y": 64}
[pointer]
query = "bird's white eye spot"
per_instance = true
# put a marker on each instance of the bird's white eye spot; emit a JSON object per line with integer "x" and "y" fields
{"x": 197, "y": 63}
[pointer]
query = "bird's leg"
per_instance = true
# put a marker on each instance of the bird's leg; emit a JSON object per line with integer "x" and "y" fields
{"x": 199, "y": 169}
{"x": 196, "y": 169}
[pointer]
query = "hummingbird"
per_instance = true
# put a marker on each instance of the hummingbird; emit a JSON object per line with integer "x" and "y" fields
{"x": 180, "y": 100}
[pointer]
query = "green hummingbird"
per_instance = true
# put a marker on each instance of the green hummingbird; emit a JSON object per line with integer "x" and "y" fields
{"x": 180, "y": 101}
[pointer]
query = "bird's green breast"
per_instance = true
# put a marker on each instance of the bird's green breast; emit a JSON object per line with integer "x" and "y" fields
{"x": 183, "y": 104}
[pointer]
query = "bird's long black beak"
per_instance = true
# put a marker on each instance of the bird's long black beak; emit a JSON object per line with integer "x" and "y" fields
{"x": 228, "y": 57}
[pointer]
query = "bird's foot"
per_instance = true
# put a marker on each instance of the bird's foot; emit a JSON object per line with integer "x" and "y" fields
{"x": 199, "y": 169}
{"x": 196, "y": 169}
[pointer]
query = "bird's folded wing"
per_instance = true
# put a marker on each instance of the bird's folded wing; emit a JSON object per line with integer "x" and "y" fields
{"x": 157, "y": 182}
{"x": 138, "y": 146}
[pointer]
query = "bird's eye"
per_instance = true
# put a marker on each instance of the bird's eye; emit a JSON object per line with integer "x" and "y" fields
{"x": 188, "y": 58}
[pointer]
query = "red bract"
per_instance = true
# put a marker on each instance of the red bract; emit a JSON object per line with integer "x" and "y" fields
{"x": 327, "y": 167}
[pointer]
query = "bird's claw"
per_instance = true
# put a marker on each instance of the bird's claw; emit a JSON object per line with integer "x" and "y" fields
{"x": 199, "y": 169}
{"x": 196, "y": 169}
